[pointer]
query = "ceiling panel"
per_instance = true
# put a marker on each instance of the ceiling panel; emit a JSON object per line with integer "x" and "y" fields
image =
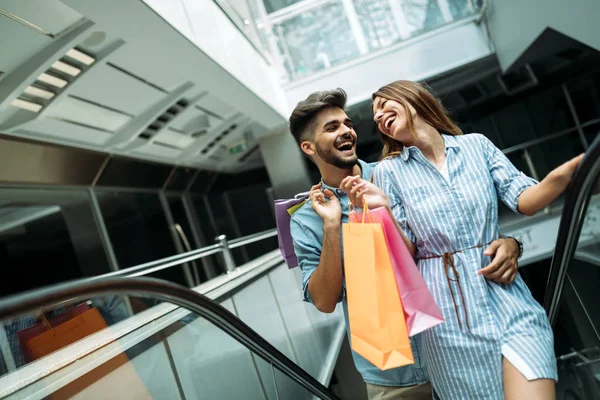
{"x": 51, "y": 16}
{"x": 23, "y": 45}
{"x": 66, "y": 131}
{"x": 191, "y": 120}
{"x": 173, "y": 139}
{"x": 108, "y": 86}
{"x": 158, "y": 151}
{"x": 75, "y": 110}
{"x": 216, "y": 106}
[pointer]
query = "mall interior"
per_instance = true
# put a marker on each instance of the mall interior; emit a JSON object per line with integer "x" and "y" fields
{"x": 149, "y": 139}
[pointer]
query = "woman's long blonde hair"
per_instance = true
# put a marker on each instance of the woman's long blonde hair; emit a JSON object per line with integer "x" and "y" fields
{"x": 426, "y": 105}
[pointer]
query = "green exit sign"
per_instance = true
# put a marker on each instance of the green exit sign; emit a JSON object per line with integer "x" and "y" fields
{"x": 238, "y": 148}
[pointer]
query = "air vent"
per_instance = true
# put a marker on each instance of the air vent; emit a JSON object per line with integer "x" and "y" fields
{"x": 218, "y": 138}
{"x": 53, "y": 81}
{"x": 163, "y": 120}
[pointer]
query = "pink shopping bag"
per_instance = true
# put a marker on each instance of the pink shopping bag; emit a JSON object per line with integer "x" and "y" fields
{"x": 420, "y": 309}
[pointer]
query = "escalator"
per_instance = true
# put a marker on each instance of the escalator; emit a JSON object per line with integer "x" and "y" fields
{"x": 246, "y": 334}
{"x": 184, "y": 346}
{"x": 571, "y": 297}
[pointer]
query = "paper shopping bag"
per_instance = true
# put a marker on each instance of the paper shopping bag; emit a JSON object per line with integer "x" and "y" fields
{"x": 26, "y": 334}
{"x": 419, "y": 306}
{"x": 378, "y": 329}
{"x": 283, "y": 213}
{"x": 114, "y": 378}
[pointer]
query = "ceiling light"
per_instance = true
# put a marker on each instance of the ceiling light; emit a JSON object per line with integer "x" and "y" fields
{"x": 37, "y": 92}
{"x": 66, "y": 68}
{"x": 81, "y": 57}
{"x": 52, "y": 80}
{"x": 26, "y": 105}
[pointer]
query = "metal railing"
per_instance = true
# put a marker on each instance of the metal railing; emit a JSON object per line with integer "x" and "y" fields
{"x": 222, "y": 246}
{"x": 177, "y": 295}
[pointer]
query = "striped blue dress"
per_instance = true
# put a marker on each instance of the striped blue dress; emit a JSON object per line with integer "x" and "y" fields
{"x": 483, "y": 320}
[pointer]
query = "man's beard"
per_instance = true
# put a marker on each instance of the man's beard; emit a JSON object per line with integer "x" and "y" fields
{"x": 330, "y": 158}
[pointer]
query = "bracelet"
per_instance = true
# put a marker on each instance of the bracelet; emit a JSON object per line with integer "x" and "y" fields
{"x": 516, "y": 240}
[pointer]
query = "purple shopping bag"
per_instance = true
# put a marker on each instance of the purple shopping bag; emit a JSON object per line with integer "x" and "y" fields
{"x": 284, "y": 209}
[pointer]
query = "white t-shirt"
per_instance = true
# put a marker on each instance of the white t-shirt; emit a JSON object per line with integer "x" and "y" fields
{"x": 444, "y": 170}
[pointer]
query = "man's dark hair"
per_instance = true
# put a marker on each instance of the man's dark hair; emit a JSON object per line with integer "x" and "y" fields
{"x": 303, "y": 117}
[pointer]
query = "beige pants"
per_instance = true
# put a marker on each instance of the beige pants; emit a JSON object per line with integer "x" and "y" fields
{"x": 417, "y": 392}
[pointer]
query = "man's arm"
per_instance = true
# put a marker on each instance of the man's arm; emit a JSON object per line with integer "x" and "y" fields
{"x": 325, "y": 284}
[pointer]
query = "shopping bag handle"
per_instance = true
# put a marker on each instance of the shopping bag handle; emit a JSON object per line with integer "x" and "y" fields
{"x": 365, "y": 211}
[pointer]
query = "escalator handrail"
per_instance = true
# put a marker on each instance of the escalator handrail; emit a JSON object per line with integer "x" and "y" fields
{"x": 577, "y": 198}
{"x": 14, "y": 306}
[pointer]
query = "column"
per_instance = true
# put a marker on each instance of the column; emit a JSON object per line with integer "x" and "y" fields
{"x": 286, "y": 165}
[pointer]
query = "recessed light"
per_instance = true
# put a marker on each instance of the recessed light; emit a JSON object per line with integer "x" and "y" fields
{"x": 37, "y": 92}
{"x": 81, "y": 57}
{"x": 52, "y": 80}
{"x": 26, "y": 105}
{"x": 66, "y": 68}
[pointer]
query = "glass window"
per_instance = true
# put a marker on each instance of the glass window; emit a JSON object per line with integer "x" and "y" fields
{"x": 317, "y": 39}
{"x": 585, "y": 94}
{"x": 551, "y": 154}
{"x": 138, "y": 230}
{"x": 253, "y": 213}
{"x": 275, "y": 5}
{"x": 47, "y": 237}
{"x": 460, "y": 8}
{"x": 377, "y": 22}
{"x": 549, "y": 111}
{"x": 514, "y": 125}
{"x": 422, "y": 15}
{"x": 187, "y": 237}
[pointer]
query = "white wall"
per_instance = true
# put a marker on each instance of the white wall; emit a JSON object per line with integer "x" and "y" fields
{"x": 204, "y": 24}
{"x": 515, "y": 24}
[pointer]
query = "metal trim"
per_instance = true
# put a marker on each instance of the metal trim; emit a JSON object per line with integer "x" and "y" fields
{"x": 571, "y": 222}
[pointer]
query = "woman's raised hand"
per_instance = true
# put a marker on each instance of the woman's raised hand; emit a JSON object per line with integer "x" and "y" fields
{"x": 360, "y": 190}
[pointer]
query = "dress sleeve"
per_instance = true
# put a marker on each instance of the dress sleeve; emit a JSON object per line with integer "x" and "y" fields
{"x": 508, "y": 180}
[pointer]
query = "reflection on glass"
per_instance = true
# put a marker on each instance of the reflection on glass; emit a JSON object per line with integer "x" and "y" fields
{"x": 47, "y": 237}
{"x": 253, "y": 214}
{"x": 212, "y": 365}
{"x": 377, "y": 22}
{"x": 185, "y": 234}
{"x": 138, "y": 230}
{"x": 34, "y": 336}
{"x": 317, "y": 39}
{"x": 205, "y": 223}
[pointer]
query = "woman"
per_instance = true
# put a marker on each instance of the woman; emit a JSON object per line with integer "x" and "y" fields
{"x": 442, "y": 187}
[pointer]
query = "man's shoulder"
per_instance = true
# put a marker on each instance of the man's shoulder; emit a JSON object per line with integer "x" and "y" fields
{"x": 305, "y": 216}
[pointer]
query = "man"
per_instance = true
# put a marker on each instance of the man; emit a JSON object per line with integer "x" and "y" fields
{"x": 326, "y": 135}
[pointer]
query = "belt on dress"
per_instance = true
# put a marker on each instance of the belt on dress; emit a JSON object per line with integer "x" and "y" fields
{"x": 449, "y": 264}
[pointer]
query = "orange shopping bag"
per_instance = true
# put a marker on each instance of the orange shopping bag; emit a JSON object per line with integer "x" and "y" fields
{"x": 378, "y": 329}
{"x": 115, "y": 378}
